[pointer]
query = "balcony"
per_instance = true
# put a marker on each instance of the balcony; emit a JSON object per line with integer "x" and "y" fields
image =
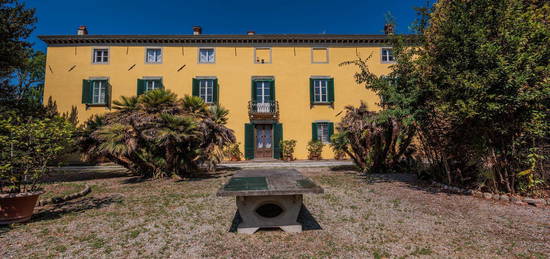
{"x": 263, "y": 111}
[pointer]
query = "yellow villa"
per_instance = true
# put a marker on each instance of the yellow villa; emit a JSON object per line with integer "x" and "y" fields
{"x": 276, "y": 86}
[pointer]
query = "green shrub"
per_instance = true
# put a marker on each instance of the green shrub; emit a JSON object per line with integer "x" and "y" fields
{"x": 287, "y": 149}
{"x": 27, "y": 146}
{"x": 315, "y": 149}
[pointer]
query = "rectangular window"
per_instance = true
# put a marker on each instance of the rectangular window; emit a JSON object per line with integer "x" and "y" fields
{"x": 101, "y": 56}
{"x": 206, "y": 90}
{"x": 387, "y": 55}
{"x": 153, "y": 55}
{"x": 262, "y": 55}
{"x": 207, "y": 55}
{"x": 99, "y": 91}
{"x": 323, "y": 132}
{"x": 152, "y": 85}
{"x": 320, "y": 90}
{"x": 319, "y": 55}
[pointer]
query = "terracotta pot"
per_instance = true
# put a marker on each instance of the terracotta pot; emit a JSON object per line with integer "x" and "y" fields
{"x": 17, "y": 207}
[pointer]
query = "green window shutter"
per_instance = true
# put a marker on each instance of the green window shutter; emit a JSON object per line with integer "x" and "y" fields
{"x": 248, "y": 141}
{"x": 86, "y": 92}
{"x": 330, "y": 130}
{"x": 216, "y": 91}
{"x": 195, "y": 90}
{"x": 107, "y": 93}
{"x": 277, "y": 137}
{"x": 331, "y": 90}
{"x": 272, "y": 89}
{"x": 314, "y": 131}
{"x": 160, "y": 83}
{"x": 253, "y": 91}
{"x": 311, "y": 92}
{"x": 140, "y": 86}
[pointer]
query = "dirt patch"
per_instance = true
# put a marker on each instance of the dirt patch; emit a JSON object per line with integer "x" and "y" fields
{"x": 357, "y": 217}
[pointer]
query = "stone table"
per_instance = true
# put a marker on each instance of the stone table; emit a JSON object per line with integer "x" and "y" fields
{"x": 269, "y": 198}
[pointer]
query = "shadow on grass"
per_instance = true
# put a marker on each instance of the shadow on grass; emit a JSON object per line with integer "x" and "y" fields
{"x": 58, "y": 210}
{"x": 409, "y": 180}
{"x": 304, "y": 217}
{"x": 83, "y": 175}
{"x": 344, "y": 168}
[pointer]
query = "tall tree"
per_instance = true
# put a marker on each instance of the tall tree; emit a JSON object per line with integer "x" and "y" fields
{"x": 16, "y": 24}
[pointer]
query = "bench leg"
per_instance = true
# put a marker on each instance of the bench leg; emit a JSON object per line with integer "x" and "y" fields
{"x": 247, "y": 230}
{"x": 292, "y": 228}
{"x": 279, "y": 211}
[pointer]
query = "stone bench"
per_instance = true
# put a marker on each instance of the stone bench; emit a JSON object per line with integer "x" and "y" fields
{"x": 269, "y": 198}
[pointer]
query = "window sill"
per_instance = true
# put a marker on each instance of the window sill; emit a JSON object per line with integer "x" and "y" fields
{"x": 323, "y": 103}
{"x": 97, "y": 105}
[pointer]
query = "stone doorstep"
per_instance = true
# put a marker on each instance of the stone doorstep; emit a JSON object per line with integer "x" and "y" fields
{"x": 490, "y": 196}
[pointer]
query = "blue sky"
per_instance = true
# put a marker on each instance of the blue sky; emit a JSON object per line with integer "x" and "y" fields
{"x": 61, "y": 17}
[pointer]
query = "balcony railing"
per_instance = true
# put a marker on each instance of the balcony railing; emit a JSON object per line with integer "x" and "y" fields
{"x": 263, "y": 111}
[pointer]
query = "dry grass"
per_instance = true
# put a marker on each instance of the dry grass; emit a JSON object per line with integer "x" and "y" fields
{"x": 360, "y": 218}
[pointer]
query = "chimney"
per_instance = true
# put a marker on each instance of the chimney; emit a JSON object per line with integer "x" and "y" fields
{"x": 82, "y": 30}
{"x": 250, "y": 33}
{"x": 197, "y": 30}
{"x": 388, "y": 29}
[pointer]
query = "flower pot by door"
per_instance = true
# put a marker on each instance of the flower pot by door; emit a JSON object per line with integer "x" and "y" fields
{"x": 18, "y": 207}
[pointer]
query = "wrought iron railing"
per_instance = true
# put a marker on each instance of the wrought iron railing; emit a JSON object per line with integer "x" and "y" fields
{"x": 264, "y": 110}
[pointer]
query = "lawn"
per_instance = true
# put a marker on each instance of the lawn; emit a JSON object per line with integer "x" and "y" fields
{"x": 379, "y": 216}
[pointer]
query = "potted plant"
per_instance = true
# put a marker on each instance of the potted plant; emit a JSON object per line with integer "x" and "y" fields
{"x": 233, "y": 152}
{"x": 315, "y": 148}
{"x": 27, "y": 146}
{"x": 287, "y": 149}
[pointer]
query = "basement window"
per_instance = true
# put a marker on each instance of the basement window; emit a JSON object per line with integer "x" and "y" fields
{"x": 207, "y": 55}
{"x": 100, "y": 56}
{"x": 387, "y": 55}
{"x": 153, "y": 55}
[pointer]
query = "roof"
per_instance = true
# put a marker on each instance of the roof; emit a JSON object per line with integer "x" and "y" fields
{"x": 219, "y": 40}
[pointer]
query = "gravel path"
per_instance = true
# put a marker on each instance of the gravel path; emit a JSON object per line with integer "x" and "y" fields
{"x": 380, "y": 216}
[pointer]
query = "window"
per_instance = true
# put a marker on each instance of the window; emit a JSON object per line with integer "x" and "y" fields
{"x": 387, "y": 55}
{"x": 152, "y": 85}
{"x": 320, "y": 90}
{"x": 206, "y": 90}
{"x": 263, "y": 91}
{"x": 101, "y": 56}
{"x": 99, "y": 91}
{"x": 323, "y": 132}
{"x": 319, "y": 55}
{"x": 153, "y": 55}
{"x": 262, "y": 55}
{"x": 207, "y": 55}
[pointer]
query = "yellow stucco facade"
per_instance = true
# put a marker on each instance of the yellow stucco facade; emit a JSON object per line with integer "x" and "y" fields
{"x": 69, "y": 62}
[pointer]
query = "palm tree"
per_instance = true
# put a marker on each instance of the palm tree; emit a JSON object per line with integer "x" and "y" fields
{"x": 157, "y": 135}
